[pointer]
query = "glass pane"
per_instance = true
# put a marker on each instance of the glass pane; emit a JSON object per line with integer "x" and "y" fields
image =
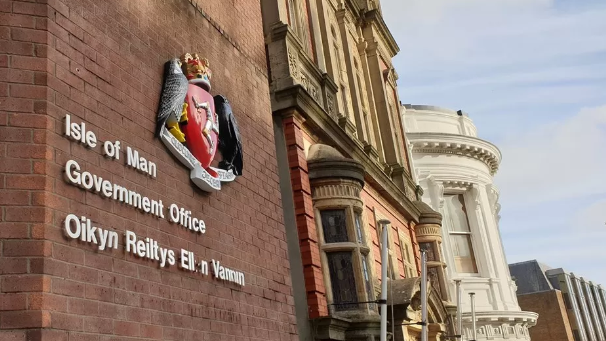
{"x": 343, "y": 280}
{"x": 334, "y": 226}
{"x": 456, "y": 215}
{"x": 367, "y": 282}
{"x": 405, "y": 252}
{"x": 358, "y": 222}
{"x": 463, "y": 253}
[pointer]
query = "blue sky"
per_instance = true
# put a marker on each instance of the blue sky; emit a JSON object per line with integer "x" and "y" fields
{"x": 532, "y": 76}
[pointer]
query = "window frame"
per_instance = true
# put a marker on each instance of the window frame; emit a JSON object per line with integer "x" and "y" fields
{"x": 468, "y": 233}
{"x": 408, "y": 262}
{"x": 359, "y": 249}
{"x": 393, "y": 272}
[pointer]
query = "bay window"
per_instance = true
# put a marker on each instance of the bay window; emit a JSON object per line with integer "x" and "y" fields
{"x": 344, "y": 246}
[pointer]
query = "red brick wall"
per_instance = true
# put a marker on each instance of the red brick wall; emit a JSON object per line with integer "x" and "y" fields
{"x": 376, "y": 207}
{"x": 553, "y": 323}
{"x": 101, "y": 62}
{"x": 306, "y": 226}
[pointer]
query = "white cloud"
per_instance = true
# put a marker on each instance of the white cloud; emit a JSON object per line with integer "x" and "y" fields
{"x": 519, "y": 78}
{"x": 559, "y": 160}
{"x": 581, "y": 252}
{"x": 531, "y": 73}
{"x": 593, "y": 218}
{"x": 447, "y": 36}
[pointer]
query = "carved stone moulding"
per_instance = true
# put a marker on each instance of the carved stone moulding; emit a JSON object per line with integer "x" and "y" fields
{"x": 326, "y": 163}
{"x": 440, "y": 143}
{"x": 454, "y": 184}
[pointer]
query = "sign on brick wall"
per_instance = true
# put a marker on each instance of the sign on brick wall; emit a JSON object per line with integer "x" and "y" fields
{"x": 83, "y": 229}
{"x": 193, "y": 126}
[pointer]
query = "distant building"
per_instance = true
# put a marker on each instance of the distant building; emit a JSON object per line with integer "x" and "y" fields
{"x": 570, "y": 307}
{"x": 455, "y": 169}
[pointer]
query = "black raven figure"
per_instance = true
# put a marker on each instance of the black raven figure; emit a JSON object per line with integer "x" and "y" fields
{"x": 172, "y": 101}
{"x": 230, "y": 144}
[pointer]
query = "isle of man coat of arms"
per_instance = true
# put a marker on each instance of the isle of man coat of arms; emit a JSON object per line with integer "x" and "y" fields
{"x": 194, "y": 125}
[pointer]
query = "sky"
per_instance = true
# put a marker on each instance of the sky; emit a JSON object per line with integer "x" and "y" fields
{"x": 531, "y": 74}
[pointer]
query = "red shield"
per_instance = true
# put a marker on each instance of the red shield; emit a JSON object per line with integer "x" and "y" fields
{"x": 202, "y": 130}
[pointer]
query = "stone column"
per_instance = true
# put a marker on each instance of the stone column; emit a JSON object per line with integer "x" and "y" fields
{"x": 386, "y": 124}
{"x": 375, "y": 148}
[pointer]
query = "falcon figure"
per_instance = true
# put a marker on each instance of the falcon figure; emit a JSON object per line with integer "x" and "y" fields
{"x": 230, "y": 144}
{"x": 173, "y": 109}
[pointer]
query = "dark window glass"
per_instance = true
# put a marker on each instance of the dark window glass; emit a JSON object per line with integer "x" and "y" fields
{"x": 358, "y": 222}
{"x": 343, "y": 282}
{"x": 366, "y": 271}
{"x": 334, "y": 226}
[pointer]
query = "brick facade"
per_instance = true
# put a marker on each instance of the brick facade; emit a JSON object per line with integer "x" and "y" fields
{"x": 375, "y": 204}
{"x": 101, "y": 63}
{"x": 306, "y": 226}
{"x": 553, "y": 323}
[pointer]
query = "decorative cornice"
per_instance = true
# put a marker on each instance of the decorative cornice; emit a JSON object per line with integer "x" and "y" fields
{"x": 353, "y": 7}
{"x": 374, "y": 17}
{"x": 499, "y": 317}
{"x": 428, "y": 231}
{"x": 295, "y": 97}
{"x": 442, "y": 143}
{"x": 457, "y": 185}
{"x": 390, "y": 76}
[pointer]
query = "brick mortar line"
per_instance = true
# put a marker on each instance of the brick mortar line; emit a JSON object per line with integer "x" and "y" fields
{"x": 216, "y": 25}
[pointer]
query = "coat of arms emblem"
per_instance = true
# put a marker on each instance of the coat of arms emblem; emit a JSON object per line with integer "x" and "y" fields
{"x": 194, "y": 125}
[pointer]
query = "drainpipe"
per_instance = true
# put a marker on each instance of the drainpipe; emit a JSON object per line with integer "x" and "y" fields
{"x": 423, "y": 295}
{"x": 384, "y": 261}
{"x": 459, "y": 330}
{"x": 473, "y": 316}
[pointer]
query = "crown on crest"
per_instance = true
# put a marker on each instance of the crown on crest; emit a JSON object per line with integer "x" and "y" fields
{"x": 196, "y": 70}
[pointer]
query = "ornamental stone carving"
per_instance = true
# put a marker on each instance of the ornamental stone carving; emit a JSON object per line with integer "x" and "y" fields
{"x": 436, "y": 143}
{"x": 304, "y": 81}
{"x": 330, "y": 104}
{"x": 475, "y": 194}
{"x": 314, "y": 92}
{"x": 293, "y": 65}
{"x": 436, "y": 192}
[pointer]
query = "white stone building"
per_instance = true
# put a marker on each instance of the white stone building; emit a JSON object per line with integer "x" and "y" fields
{"x": 455, "y": 169}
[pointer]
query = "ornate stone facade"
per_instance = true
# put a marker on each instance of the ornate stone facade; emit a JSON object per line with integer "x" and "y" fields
{"x": 455, "y": 170}
{"x": 332, "y": 83}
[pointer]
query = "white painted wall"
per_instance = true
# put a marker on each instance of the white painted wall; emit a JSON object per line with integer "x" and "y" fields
{"x": 448, "y": 158}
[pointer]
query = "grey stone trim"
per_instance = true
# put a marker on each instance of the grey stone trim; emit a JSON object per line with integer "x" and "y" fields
{"x": 295, "y": 97}
{"x": 292, "y": 237}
